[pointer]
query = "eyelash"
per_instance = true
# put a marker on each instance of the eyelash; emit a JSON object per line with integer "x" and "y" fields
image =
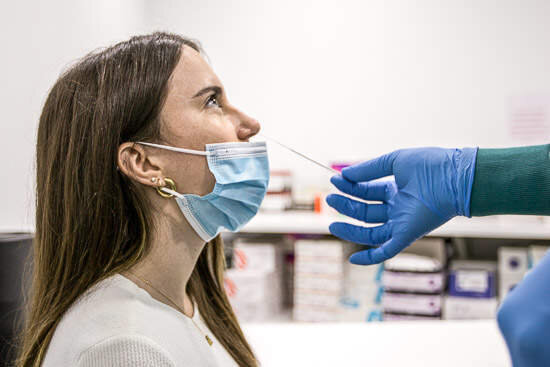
{"x": 213, "y": 97}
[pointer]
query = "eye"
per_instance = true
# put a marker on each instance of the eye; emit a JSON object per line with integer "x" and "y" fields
{"x": 213, "y": 101}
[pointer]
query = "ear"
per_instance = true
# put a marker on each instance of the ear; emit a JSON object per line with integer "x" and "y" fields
{"x": 139, "y": 165}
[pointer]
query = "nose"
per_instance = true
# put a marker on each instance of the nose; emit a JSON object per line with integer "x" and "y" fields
{"x": 247, "y": 127}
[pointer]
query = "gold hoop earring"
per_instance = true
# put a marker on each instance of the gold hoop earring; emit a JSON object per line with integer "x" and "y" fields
{"x": 171, "y": 185}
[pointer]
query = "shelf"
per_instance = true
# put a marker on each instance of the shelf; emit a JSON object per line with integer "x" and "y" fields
{"x": 396, "y": 343}
{"x": 512, "y": 227}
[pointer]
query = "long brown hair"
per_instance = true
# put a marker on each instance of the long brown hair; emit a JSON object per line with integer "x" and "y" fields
{"x": 91, "y": 220}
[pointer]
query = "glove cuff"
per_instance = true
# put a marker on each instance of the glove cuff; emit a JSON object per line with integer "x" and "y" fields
{"x": 465, "y": 162}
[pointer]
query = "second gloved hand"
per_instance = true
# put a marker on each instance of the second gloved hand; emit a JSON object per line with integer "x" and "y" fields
{"x": 431, "y": 186}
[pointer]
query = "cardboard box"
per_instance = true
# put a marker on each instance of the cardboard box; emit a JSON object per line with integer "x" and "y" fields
{"x": 314, "y": 314}
{"x": 512, "y": 261}
{"x": 469, "y": 308}
{"x": 257, "y": 256}
{"x": 416, "y": 304}
{"x": 318, "y": 280}
{"x": 413, "y": 282}
{"x": 254, "y": 296}
{"x": 311, "y": 282}
{"x": 468, "y": 278}
{"x": 506, "y": 284}
{"x": 326, "y": 299}
{"x": 361, "y": 304}
{"x": 400, "y": 317}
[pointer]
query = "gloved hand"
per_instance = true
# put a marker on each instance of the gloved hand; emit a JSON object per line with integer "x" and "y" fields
{"x": 524, "y": 318}
{"x": 430, "y": 186}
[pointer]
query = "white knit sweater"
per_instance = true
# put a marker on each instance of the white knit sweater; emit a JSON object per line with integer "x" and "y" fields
{"x": 116, "y": 323}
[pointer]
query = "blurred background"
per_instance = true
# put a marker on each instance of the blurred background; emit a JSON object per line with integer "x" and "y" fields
{"x": 340, "y": 81}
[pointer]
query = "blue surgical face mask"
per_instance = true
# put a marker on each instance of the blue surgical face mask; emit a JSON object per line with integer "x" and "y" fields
{"x": 242, "y": 174}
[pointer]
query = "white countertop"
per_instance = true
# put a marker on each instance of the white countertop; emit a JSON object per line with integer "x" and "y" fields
{"x": 401, "y": 343}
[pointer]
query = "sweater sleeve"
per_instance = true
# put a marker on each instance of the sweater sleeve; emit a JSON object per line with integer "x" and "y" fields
{"x": 512, "y": 181}
{"x": 126, "y": 351}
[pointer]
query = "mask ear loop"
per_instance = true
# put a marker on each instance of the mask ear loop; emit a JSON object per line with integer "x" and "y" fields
{"x": 174, "y": 149}
{"x": 171, "y": 185}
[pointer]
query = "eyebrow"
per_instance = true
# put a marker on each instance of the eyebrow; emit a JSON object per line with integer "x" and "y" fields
{"x": 212, "y": 88}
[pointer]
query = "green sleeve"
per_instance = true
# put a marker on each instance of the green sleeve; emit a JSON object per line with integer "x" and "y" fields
{"x": 512, "y": 181}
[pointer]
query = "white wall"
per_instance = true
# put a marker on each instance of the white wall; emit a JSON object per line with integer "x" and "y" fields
{"x": 39, "y": 39}
{"x": 352, "y": 79}
{"x": 339, "y": 80}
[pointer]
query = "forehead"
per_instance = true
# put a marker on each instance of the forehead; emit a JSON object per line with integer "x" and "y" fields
{"x": 192, "y": 73}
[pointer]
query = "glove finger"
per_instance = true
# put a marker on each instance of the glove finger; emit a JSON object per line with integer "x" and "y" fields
{"x": 370, "y": 213}
{"x": 361, "y": 235}
{"x": 372, "y": 169}
{"x": 364, "y": 190}
{"x": 379, "y": 254}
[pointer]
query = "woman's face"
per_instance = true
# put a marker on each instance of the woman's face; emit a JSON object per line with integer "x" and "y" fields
{"x": 197, "y": 112}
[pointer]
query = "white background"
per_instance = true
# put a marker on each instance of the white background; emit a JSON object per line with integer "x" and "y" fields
{"x": 338, "y": 80}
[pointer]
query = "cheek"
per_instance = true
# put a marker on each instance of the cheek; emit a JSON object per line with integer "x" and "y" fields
{"x": 217, "y": 128}
{"x": 194, "y": 176}
{"x": 207, "y": 181}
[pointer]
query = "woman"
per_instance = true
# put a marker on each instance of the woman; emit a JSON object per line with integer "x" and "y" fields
{"x": 127, "y": 270}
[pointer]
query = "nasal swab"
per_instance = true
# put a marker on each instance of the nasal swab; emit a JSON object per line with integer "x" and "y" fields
{"x": 332, "y": 170}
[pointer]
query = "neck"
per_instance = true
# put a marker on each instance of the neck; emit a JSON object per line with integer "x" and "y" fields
{"x": 175, "y": 248}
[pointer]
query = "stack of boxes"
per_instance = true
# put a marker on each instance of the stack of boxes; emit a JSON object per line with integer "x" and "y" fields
{"x": 362, "y": 293}
{"x": 279, "y": 192}
{"x": 414, "y": 283}
{"x": 513, "y": 263}
{"x": 254, "y": 284}
{"x": 320, "y": 285}
{"x": 318, "y": 280}
{"x": 472, "y": 291}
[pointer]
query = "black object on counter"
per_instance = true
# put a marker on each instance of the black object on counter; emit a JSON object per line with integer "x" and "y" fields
{"x": 14, "y": 257}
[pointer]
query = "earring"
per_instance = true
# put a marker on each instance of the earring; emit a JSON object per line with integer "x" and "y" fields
{"x": 171, "y": 185}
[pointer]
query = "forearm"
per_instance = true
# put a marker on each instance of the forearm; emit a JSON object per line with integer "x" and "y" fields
{"x": 512, "y": 181}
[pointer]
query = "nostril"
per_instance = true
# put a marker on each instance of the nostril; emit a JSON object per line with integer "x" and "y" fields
{"x": 244, "y": 133}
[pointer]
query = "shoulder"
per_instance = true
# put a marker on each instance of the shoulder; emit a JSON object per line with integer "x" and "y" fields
{"x": 111, "y": 308}
{"x": 111, "y": 305}
{"x": 125, "y": 350}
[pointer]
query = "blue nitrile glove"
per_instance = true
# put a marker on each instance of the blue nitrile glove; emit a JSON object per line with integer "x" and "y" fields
{"x": 431, "y": 186}
{"x": 524, "y": 318}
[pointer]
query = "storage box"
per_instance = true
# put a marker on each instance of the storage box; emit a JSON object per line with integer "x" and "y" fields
{"x": 469, "y": 308}
{"x": 506, "y": 284}
{"x": 313, "y": 313}
{"x": 513, "y": 264}
{"x": 430, "y": 247}
{"x": 316, "y": 298}
{"x": 361, "y": 304}
{"x": 311, "y": 282}
{"x": 401, "y": 317}
{"x": 413, "y": 282}
{"x": 472, "y": 279}
{"x": 254, "y": 296}
{"x": 257, "y": 256}
{"x": 512, "y": 261}
{"x": 361, "y": 300}
{"x": 318, "y": 279}
{"x": 416, "y": 304}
